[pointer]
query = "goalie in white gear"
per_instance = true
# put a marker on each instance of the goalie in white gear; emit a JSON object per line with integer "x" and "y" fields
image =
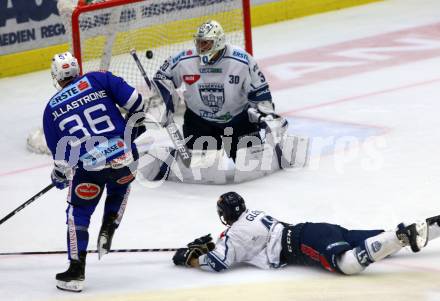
{"x": 258, "y": 239}
{"x": 228, "y": 101}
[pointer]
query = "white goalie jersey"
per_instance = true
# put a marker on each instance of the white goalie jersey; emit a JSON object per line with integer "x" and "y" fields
{"x": 255, "y": 238}
{"x": 216, "y": 92}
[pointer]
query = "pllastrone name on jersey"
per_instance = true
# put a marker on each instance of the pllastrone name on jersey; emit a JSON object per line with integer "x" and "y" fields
{"x": 77, "y": 103}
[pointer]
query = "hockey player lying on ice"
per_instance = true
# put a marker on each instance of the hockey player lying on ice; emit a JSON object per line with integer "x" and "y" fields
{"x": 227, "y": 102}
{"x": 258, "y": 239}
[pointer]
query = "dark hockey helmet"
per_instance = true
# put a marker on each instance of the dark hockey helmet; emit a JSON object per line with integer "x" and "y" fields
{"x": 229, "y": 207}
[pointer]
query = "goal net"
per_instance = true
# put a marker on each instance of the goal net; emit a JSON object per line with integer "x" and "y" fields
{"x": 104, "y": 33}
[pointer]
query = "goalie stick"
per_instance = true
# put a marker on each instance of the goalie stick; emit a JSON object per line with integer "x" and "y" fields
{"x": 171, "y": 127}
{"x": 22, "y": 206}
{"x": 277, "y": 147}
{"x": 90, "y": 251}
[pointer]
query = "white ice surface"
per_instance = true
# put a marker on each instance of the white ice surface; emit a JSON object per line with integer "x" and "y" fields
{"x": 401, "y": 101}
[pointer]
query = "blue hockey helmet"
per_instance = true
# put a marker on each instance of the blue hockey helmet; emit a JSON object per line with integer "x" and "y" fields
{"x": 229, "y": 207}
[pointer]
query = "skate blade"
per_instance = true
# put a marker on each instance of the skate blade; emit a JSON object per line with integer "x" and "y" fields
{"x": 71, "y": 286}
{"x": 433, "y": 220}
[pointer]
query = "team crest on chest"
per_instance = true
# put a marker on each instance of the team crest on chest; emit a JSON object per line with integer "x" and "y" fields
{"x": 191, "y": 79}
{"x": 213, "y": 96}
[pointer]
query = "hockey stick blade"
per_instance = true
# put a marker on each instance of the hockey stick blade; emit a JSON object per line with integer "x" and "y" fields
{"x": 22, "y": 206}
{"x": 90, "y": 251}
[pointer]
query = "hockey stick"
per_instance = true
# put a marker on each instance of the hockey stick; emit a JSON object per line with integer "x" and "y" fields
{"x": 90, "y": 251}
{"x": 278, "y": 150}
{"x": 171, "y": 127}
{"x": 22, "y": 206}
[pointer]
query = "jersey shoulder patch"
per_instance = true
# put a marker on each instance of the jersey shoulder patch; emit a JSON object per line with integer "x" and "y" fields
{"x": 238, "y": 54}
{"x": 185, "y": 54}
{"x": 71, "y": 91}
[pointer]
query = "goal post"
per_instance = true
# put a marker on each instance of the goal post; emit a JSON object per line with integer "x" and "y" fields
{"x": 103, "y": 33}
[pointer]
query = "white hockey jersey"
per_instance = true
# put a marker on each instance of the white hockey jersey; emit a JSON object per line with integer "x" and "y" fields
{"x": 255, "y": 238}
{"x": 216, "y": 92}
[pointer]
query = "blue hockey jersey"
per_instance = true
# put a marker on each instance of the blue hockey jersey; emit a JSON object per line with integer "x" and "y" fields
{"x": 82, "y": 121}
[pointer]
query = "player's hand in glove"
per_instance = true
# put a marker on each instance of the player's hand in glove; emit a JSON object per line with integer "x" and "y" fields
{"x": 183, "y": 256}
{"x": 194, "y": 250}
{"x": 60, "y": 175}
{"x": 204, "y": 244}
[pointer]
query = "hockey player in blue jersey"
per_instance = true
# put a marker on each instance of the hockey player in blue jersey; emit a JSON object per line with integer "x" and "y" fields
{"x": 84, "y": 131}
{"x": 258, "y": 239}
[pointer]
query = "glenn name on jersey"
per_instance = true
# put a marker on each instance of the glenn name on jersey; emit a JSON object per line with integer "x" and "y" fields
{"x": 217, "y": 92}
{"x": 255, "y": 238}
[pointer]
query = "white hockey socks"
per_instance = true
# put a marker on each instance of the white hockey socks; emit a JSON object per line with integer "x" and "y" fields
{"x": 375, "y": 248}
{"x": 380, "y": 246}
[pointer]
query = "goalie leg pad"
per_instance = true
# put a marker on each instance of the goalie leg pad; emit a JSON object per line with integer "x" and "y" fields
{"x": 295, "y": 151}
{"x": 155, "y": 165}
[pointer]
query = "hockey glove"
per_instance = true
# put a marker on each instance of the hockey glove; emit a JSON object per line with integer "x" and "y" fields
{"x": 262, "y": 110}
{"x": 203, "y": 244}
{"x": 183, "y": 256}
{"x": 60, "y": 175}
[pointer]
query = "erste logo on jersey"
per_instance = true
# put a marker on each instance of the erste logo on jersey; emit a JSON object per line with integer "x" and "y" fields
{"x": 70, "y": 91}
{"x": 191, "y": 79}
{"x": 240, "y": 55}
{"x": 178, "y": 57}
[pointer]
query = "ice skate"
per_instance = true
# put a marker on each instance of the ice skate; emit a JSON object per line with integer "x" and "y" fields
{"x": 414, "y": 235}
{"x": 73, "y": 279}
{"x": 106, "y": 234}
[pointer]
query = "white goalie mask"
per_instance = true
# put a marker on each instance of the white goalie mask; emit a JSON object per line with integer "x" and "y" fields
{"x": 209, "y": 39}
{"x": 64, "y": 66}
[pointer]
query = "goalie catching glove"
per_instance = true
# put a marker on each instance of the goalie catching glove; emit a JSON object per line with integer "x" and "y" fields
{"x": 264, "y": 112}
{"x": 264, "y": 115}
{"x": 194, "y": 250}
